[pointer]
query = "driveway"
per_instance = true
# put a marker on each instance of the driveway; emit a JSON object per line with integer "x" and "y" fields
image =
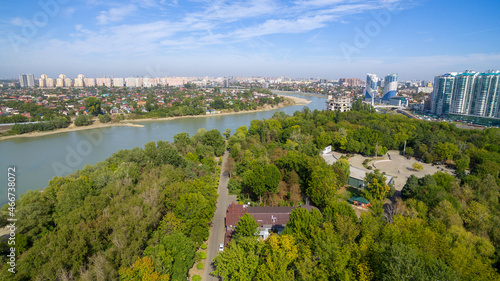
{"x": 218, "y": 230}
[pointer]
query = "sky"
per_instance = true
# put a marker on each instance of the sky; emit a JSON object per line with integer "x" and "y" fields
{"x": 418, "y": 39}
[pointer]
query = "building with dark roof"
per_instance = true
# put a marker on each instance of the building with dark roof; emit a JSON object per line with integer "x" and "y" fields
{"x": 270, "y": 219}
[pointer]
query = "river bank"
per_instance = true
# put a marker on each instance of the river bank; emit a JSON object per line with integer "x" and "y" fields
{"x": 291, "y": 101}
{"x": 70, "y": 128}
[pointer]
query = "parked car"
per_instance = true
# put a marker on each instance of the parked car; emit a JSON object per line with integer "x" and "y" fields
{"x": 221, "y": 247}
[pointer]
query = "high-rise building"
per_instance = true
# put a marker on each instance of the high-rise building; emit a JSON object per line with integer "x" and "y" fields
{"x": 50, "y": 83}
{"x": 80, "y": 81}
{"x": 371, "y": 87}
{"x": 390, "y": 87}
{"x": 42, "y": 83}
{"x": 106, "y": 82}
{"x": 467, "y": 93}
{"x": 67, "y": 82}
{"x": 148, "y": 82}
{"x": 26, "y": 80}
{"x": 90, "y": 82}
{"x": 443, "y": 91}
{"x": 463, "y": 92}
{"x": 130, "y": 82}
{"x": 351, "y": 82}
{"x": 486, "y": 94}
{"x": 118, "y": 82}
{"x": 60, "y": 81}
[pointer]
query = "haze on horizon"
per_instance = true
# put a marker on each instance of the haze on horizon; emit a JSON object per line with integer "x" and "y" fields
{"x": 304, "y": 38}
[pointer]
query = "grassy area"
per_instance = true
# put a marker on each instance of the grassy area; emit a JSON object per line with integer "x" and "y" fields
{"x": 347, "y": 192}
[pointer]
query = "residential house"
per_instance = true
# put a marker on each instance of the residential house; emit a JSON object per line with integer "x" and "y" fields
{"x": 270, "y": 219}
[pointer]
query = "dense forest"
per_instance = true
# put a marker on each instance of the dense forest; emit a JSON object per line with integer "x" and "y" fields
{"x": 443, "y": 227}
{"x": 139, "y": 215}
{"x": 143, "y": 213}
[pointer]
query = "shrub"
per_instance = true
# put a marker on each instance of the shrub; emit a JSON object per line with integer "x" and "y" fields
{"x": 201, "y": 255}
{"x": 204, "y": 246}
{"x": 199, "y": 266}
{"x": 83, "y": 120}
{"x": 104, "y": 118}
{"x": 196, "y": 278}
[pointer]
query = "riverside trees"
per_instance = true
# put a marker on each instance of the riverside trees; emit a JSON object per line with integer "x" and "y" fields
{"x": 444, "y": 228}
{"x": 141, "y": 213}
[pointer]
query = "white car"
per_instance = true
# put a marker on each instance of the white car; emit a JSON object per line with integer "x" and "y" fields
{"x": 221, "y": 247}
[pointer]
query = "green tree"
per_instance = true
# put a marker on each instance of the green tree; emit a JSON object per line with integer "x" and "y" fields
{"x": 279, "y": 253}
{"x": 246, "y": 227}
{"x": 477, "y": 217}
{"x": 195, "y": 210}
{"x": 104, "y": 118}
{"x": 83, "y": 120}
{"x": 376, "y": 184}
{"x": 302, "y": 223}
{"x": 401, "y": 262}
{"x": 214, "y": 139}
{"x": 173, "y": 256}
{"x": 93, "y": 106}
{"x": 342, "y": 168}
{"x": 261, "y": 179}
{"x": 182, "y": 142}
{"x": 417, "y": 166}
{"x": 445, "y": 150}
{"x": 462, "y": 163}
{"x": 227, "y": 133}
{"x": 240, "y": 260}
{"x": 446, "y": 213}
{"x": 323, "y": 185}
{"x": 142, "y": 269}
{"x": 327, "y": 246}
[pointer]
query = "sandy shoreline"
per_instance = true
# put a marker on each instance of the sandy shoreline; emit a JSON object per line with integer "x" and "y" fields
{"x": 70, "y": 128}
{"x": 97, "y": 125}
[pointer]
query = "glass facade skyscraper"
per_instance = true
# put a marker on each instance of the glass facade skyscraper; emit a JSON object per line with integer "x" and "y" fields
{"x": 442, "y": 94}
{"x": 26, "y": 80}
{"x": 371, "y": 87}
{"x": 467, "y": 93}
{"x": 390, "y": 87}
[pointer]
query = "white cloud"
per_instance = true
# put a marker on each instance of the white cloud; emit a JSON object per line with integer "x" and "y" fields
{"x": 69, "y": 12}
{"x": 284, "y": 26}
{"x": 115, "y": 14}
{"x": 17, "y": 21}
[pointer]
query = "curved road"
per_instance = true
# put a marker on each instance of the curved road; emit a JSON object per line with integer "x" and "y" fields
{"x": 217, "y": 230}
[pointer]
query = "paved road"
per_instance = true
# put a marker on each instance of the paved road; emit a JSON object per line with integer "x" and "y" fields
{"x": 217, "y": 230}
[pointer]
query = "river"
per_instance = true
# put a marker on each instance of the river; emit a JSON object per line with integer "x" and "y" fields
{"x": 39, "y": 159}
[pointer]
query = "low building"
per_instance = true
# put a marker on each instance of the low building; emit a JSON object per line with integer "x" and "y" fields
{"x": 340, "y": 103}
{"x": 399, "y": 101}
{"x": 270, "y": 219}
{"x": 359, "y": 201}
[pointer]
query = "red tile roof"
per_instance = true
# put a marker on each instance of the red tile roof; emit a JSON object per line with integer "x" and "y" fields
{"x": 263, "y": 215}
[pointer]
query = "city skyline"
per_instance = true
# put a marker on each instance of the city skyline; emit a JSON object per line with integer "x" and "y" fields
{"x": 318, "y": 38}
{"x": 467, "y": 93}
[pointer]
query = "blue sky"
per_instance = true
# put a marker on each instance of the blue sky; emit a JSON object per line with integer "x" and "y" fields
{"x": 304, "y": 38}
